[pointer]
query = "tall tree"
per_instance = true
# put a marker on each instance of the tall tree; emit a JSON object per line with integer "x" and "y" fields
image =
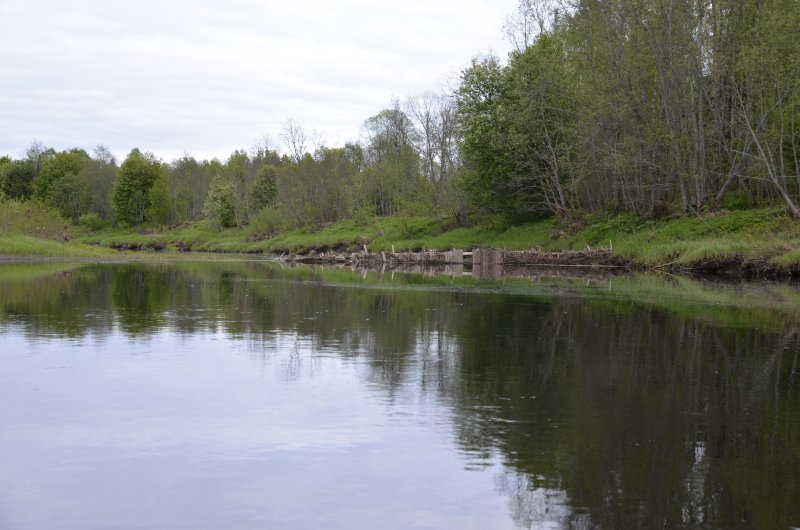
{"x": 264, "y": 189}
{"x": 295, "y": 138}
{"x": 237, "y": 171}
{"x": 543, "y": 104}
{"x": 55, "y": 168}
{"x": 135, "y": 179}
{"x": 481, "y": 100}
{"x": 189, "y": 185}
{"x": 434, "y": 117}
{"x": 16, "y": 177}
{"x": 392, "y": 177}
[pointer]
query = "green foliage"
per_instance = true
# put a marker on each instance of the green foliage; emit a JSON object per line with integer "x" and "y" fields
{"x": 630, "y": 106}
{"x": 32, "y": 218}
{"x": 54, "y": 169}
{"x": 264, "y": 190}
{"x": 542, "y": 110}
{"x": 91, "y": 222}
{"x": 96, "y": 180}
{"x": 238, "y": 171}
{"x": 220, "y": 204}
{"x": 33, "y": 246}
{"x": 69, "y": 194}
{"x": 736, "y": 201}
{"x": 160, "y": 210}
{"x": 482, "y": 100}
{"x": 237, "y": 165}
{"x": 135, "y": 179}
{"x": 317, "y": 190}
{"x": 70, "y": 181}
{"x": 392, "y": 175}
{"x": 520, "y": 130}
{"x": 265, "y": 224}
{"x": 5, "y": 166}
{"x": 16, "y": 178}
{"x": 189, "y": 180}
{"x": 618, "y": 106}
{"x": 758, "y": 236}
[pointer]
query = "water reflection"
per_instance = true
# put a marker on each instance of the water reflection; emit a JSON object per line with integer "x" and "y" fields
{"x": 569, "y": 411}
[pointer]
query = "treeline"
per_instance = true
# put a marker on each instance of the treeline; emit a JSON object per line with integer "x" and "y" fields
{"x": 406, "y": 163}
{"x": 644, "y": 106}
{"x": 647, "y": 106}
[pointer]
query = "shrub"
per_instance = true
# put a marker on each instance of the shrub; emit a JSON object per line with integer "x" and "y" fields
{"x": 90, "y": 222}
{"x": 265, "y": 224}
{"x": 32, "y": 218}
{"x": 220, "y": 204}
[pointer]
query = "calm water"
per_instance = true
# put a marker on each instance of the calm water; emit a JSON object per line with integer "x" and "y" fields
{"x": 247, "y": 396}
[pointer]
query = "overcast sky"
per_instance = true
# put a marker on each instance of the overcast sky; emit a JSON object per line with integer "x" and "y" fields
{"x": 206, "y": 77}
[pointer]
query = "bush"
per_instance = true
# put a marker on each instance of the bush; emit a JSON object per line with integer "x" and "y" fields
{"x": 265, "y": 224}
{"x": 32, "y": 218}
{"x": 90, "y": 222}
{"x": 735, "y": 201}
{"x": 220, "y": 204}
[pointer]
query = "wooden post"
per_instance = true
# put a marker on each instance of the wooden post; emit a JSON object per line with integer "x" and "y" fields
{"x": 454, "y": 257}
{"x": 476, "y": 257}
{"x": 497, "y": 257}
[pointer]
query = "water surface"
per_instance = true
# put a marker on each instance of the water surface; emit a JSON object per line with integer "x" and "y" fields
{"x": 244, "y": 395}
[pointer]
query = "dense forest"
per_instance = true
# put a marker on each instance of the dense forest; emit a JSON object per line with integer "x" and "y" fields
{"x": 652, "y": 107}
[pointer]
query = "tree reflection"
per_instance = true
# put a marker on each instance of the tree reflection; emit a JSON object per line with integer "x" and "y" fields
{"x": 602, "y": 414}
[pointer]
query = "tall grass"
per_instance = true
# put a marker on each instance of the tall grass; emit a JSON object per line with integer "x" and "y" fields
{"x": 32, "y": 219}
{"x": 760, "y": 237}
{"x": 22, "y": 245}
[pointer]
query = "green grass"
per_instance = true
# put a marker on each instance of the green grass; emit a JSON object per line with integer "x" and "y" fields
{"x": 753, "y": 236}
{"x": 32, "y": 219}
{"x": 29, "y": 229}
{"x": 32, "y": 229}
{"x": 763, "y": 237}
{"x": 202, "y": 236}
{"x": 29, "y": 246}
{"x": 412, "y": 233}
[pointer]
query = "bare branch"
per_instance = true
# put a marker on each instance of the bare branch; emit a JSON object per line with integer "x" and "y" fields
{"x": 294, "y": 137}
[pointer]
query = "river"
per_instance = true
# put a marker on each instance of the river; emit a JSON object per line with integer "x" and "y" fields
{"x": 250, "y": 395}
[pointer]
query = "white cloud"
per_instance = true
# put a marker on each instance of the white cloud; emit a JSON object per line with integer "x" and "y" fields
{"x": 210, "y": 76}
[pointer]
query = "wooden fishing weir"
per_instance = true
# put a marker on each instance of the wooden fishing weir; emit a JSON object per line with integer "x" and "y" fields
{"x": 481, "y": 259}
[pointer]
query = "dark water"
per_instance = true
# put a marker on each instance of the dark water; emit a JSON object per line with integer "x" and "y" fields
{"x": 245, "y": 396}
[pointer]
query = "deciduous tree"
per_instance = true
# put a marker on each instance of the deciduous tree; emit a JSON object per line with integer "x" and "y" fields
{"x": 135, "y": 179}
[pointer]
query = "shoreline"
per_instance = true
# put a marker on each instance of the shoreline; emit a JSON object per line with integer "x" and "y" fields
{"x": 483, "y": 259}
{"x": 737, "y": 244}
{"x": 491, "y": 262}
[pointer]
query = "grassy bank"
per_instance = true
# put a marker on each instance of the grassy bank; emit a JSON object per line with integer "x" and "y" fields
{"x": 30, "y": 230}
{"x": 759, "y": 239}
{"x": 22, "y": 245}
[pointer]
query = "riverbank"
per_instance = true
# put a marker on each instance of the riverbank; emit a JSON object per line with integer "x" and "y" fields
{"x": 750, "y": 242}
